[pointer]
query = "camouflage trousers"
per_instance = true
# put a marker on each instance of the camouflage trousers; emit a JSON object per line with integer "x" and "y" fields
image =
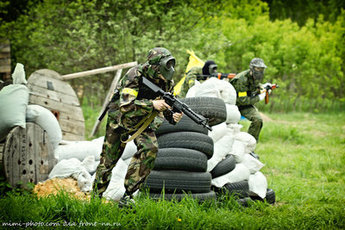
{"x": 140, "y": 166}
{"x": 252, "y": 114}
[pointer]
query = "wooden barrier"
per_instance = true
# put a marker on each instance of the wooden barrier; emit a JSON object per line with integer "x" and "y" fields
{"x": 28, "y": 155}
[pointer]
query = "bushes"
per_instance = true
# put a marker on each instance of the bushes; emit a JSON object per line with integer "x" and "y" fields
{"x": 306, "y": 61}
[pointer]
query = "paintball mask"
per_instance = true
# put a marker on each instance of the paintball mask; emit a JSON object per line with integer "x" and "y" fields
{"x": 162, "y": 61}
{"x": 209, "y": 68}
{"x": 257, "y": 67}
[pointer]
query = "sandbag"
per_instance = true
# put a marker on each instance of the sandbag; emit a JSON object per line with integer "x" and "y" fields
{"x": 90, "y": 164}
{"x": 129, "y": 150}
{"x": 240, "y": 173}
{"x": 13, "y": 103}
{"x": 66, "y": 168}
{"x": 218, "y": 131}
{"x": 258, "y": 184}
{"x": 116, "y": 188}
{"x": 248, "y": 140}
{"x": 215, "y": 87}
{"x": 252, "y": 163}
{"x": 221, "y": 148}
{"x": 191, "y": 91}
{"x": 85, "y": 181}
{"x": 47, "y": 121}
{"x": 18, "y": 75}
{"x": 238, "y": 150}
{"x": 233, "y": 115}
{"x": 79, "y": 149}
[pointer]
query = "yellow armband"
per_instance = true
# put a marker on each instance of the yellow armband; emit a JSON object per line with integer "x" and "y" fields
{"x": 242, "y": 94}
{"x": 130, "y": 92}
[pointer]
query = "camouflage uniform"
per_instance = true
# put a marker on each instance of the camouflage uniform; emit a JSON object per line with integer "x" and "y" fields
{"x": 191, "y": 76}
{"x": 248, "y": 92}
{"x": 128, "y": 107}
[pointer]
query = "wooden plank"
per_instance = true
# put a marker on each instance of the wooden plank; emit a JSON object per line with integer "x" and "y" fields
{"x": 73, "y": 111}
{"x": 98, "y": 71}
{"x": 72, "y": 137}
{"x": 54, "y": 95}
{"x": 106, "y": 101}
{"x": 56, "y": 84}
{"x": 28, "y": 155}
{"x": 5, "y": 68}
{"x": 73, "y": 126}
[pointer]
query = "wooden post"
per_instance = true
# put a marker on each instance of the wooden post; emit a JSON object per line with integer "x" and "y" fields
{"x": 107, "y": 99}
{"x": 98, "y": 71}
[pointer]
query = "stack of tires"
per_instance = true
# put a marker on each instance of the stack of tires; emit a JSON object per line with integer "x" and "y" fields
{"x": 181, "y": 165}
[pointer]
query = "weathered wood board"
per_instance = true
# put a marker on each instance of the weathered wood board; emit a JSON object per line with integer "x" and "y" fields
{"x": 50, "y": 91}
{"x": 28, "y": 156}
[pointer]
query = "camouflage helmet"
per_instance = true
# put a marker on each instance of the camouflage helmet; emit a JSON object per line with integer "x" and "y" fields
{"x": 257, "y": 67}
{"x": 162, "y": 58}
{"x": 257, "y": 62}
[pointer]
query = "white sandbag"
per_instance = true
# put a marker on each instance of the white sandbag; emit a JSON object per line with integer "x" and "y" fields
{"x": 236, "y": 128}
{"x": 18, "y": 75}
{"x": 221, "y": 148}
{"x": 233, "y": 115}
{"x": 248, "y": 139}
{"x": 238, "y": 150}
{"x": 116, "y": 188}
{"x": 239, "y": 173}
{"x": 90, "y": 164}
{"x": 191, "y": 91}
{"x": 252, "y": 163}
{"x": 47, "y": 121}
{"x": 13, "y": 102}
{"x": 67, "y": 168}
{"x": 258, "y": 184}
{"x": 218, "y": 131}
{"x": 79, "y": 149}
{"x": 85, "y": 181}
{"x": 129, "y": 150}
{"x": 215, "y": 87}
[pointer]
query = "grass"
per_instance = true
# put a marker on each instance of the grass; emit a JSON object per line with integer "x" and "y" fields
{"x": 304, "y": 157}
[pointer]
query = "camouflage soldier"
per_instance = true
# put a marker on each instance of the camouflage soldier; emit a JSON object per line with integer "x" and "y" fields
{"x": 131, "y": 106}
{"x": 192, "y": 75}
{"x": 247, "y": 85}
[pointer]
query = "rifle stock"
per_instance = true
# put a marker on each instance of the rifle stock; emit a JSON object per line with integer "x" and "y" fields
{"x": 274, "y": 86}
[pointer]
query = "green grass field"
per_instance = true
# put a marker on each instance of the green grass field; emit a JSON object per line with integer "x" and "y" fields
{"x": 304, "y": 157}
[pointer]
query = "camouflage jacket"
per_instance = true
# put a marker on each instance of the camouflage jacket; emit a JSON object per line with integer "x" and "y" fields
{"x": 247, "y": 91}
{"x": 134, "y": 100}
{"x": 189, "y": 81}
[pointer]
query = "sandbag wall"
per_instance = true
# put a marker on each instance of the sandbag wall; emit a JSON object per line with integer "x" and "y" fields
{"x": 184, "y": 149}
{"x": 233, "y": 166}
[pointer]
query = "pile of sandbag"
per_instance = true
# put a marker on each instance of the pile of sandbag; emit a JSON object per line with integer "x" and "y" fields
{"x": 14, "y": 100}
{"x": 233, "y": 166}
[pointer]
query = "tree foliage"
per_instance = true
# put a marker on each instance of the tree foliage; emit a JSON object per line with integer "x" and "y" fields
{"x": 71, "y": 36}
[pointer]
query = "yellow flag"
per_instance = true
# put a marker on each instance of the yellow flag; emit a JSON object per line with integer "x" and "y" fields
{"x": 194, "y": 61}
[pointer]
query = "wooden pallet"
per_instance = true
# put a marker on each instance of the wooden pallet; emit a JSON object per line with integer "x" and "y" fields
{"x": 27, "y": 155}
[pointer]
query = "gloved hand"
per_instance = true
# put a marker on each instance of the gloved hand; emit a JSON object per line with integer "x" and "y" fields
{"x": 262, "y": 95}
{"x": 263, "y": 87}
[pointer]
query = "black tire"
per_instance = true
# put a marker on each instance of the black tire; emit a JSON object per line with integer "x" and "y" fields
{"x": 211, "y": 195}
{"x": 180, "y": 159}
{"x": 188, "y": 140}
{"x": 270, "y": 197}
{"x": 178, "y": 181}
{"x": 223, "y": 167}
{"x": 210, "y": 107}
{"x": 185, "y": 124}
{"x": 240, "y": 189}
